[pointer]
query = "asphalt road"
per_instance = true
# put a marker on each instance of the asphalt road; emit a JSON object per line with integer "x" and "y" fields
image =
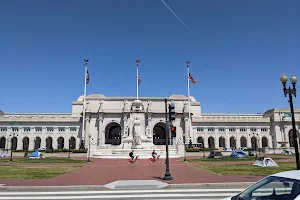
{"x": 202, "y": 194}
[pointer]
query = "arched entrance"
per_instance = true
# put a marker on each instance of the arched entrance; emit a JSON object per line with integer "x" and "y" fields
{"x": 14, "y": 143}
{"x": 2, "y": 143}
{"x": 232, "y": 142}
{"x": 254, "y": 143}
{"x": 291, "y": 137}
{"x": 264, "y": 142}
{"x": 211, "y": 142}
{"x": 37, "y": 143}
{"x": 25, "y": 143}
{"x": 200, "y": 140}
{"x": 243, "y": 142}
{"x": 72, "y": 143}
{"x": 60, "y": 143}
{"x": 49, "y": 143}
{"x": 113, "y": 133}
{"x": 222, "y": 142}
{"x": 159, "y": 134}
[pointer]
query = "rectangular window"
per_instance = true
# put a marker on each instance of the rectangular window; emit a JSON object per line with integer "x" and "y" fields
{"x": 222, "y": 129}
{"x": 3, "y": 129}
{"x": 73, "y": 129}
{"x": 231, "y": 129}
{"x": 61, "y": 129}
{"x": 50, "y": 129}
{"x": 26, "y": 129}
{"x": 253, "y": 129}
{"x": 243, "y": 129}
{"x": 264, "y": 130}
{"x": 210, "y": 129}
{"x": 15, "y": 129}
{"x": 38, "y": 129}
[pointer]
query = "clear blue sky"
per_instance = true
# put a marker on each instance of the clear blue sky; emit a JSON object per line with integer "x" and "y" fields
{"x": 238, "y": 51}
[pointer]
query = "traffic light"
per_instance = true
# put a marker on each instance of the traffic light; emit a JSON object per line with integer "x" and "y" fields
{"x": 171, "y": 112}
{"x": 173, "y": 131}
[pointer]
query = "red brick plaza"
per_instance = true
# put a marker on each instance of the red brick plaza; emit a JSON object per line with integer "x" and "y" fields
{"x": 103, "y": 171}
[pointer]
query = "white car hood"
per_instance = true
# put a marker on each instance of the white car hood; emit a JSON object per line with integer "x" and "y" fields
{"x": 228, "y": 198}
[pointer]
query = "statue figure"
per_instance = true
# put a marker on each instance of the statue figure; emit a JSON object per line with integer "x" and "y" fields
{"x": 148, "y": 132}
{"x": 136, "y": 132}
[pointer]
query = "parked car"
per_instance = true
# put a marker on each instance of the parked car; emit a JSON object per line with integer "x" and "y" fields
{"x": 280, "y": 186}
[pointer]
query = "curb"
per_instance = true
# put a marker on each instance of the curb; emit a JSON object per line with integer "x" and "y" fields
{"x": 211, "y": 185}
{"x": 241, "y": 185}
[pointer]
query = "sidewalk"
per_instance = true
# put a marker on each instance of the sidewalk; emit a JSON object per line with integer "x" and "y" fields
{"x": 104, "y": 171}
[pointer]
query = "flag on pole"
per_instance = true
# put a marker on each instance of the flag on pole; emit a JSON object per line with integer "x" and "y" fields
{"x": 192, "y": 79}
{"x": 87, "y": 76}
{"x": 139, "y": 79}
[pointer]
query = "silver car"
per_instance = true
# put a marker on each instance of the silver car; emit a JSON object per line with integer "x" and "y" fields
{"x": 280, "y": 186}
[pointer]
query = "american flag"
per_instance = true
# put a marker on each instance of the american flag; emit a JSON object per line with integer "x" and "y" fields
{"x": 87, "y": 76}
{"x": 139, "y": 80}
{"x": 192, "y": 79}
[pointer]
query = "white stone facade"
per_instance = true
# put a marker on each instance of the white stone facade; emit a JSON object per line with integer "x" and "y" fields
{"x": 115, "y": 125}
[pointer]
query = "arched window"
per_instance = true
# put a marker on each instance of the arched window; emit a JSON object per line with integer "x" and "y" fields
{"x": 49, "y": 143}
{"x": 232, "y": 142}
{"x": 254, "y": 143}
{"x": 264, "y": 142}
{"x": 14, "y": 143}
{"x": 72, "y": 143}
{"x": 222, "y": 142}
{"x": 25, "y": 143}
{"x": 201, "y": 141}
{"x": 211, "y": 142}
{"x": 60, "y": 143}
{"x": 243, "y": 142}
{"x": 2, "y": 143}
{"x": 37, "y": 143}
{"x": 113, "y": 133}
{"x": 159, "y": 134}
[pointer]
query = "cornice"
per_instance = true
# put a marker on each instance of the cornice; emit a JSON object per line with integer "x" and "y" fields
{"x": 228, "y": 118}
{"x": 39, "y": 118}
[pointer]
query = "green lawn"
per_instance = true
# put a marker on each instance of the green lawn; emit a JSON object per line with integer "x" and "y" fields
{"x": 14, "y": 172}
{"x": 247, "y": 169}
{"x": 228, "y": 159}
{"x": 45, "y": 160}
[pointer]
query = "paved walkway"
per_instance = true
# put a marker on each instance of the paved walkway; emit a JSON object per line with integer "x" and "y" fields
{"x": 103, "y": 171}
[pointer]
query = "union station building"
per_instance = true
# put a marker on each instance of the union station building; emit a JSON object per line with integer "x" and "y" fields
{"x": 114, "y": 125}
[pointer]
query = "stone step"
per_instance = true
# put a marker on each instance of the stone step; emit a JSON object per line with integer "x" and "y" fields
{"x": 142, "y": 153}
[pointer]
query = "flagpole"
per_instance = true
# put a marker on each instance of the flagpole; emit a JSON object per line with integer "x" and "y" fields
{"x": 137, "y": 79}
{"x": 189, "y": 100}
{"x": 84, "y": 105}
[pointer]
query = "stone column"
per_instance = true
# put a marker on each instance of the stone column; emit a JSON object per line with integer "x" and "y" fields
{"x": 43, "y": 137}
{"x": 99, "y": 136}
{"x": 227, "y": 137}
{"x": 87, "y": 132}
{"x": 20, "y": 142}
{"x": 238, "y": 138}
{"x": 249, "y": 145}
{"x": 205, "y": 138}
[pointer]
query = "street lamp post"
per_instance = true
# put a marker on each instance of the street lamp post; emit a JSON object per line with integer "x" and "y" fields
{"x": 167, "y": 176}
{"x": 89, "y": 153}
{"x": 292, "y": 91}
{"x": 11, "y": 136}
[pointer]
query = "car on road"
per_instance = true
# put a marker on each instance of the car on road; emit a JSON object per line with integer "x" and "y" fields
{"x": 280, "y": 186}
